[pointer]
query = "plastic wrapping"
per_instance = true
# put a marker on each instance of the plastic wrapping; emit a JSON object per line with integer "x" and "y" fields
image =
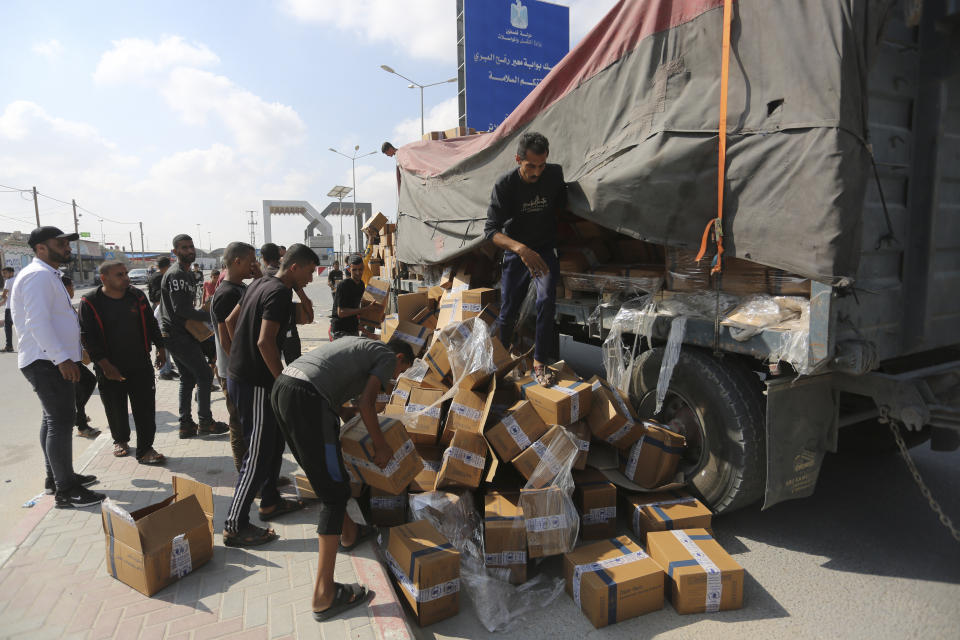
{"x": 617, "y": 357}
{"x": 499, "y": 605}
{"x": 757, "y": 312}
{"x": 551, "y": 516}
{"x": 678, "y": 330}
{"x": 738, "y": 277}
{"x": 615, "y": 278}
{"x": 469, "y": 349}
{"x": 114, "y": 508}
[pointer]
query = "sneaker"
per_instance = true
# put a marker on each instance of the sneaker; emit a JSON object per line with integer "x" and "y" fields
{"x": 8, "y": 349}
{"x": 79, "y": 496}
{"x": 50, "y": 487}
{"x": 209, "y": 426}
{"x": 88, "y": 432}
{"x": 188, "y": 429}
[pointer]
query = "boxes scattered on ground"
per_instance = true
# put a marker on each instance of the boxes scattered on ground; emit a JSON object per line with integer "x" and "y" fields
{"x": 427, "y": 568}
{"x": 652, "y": 461}
{"x": 505, "y": 535}
{"x": 702, "y": 576}
{"x": 596, "y": 500}
{"x": 663, "y": 511}
{"x": 153, "y": 547}
{"x": 358, "y": 454}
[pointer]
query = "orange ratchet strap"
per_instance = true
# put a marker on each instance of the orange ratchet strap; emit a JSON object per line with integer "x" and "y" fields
{"x": 716, "y": 225}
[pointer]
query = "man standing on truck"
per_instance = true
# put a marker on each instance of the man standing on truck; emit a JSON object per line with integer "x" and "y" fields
{"x": 522, "y": 220}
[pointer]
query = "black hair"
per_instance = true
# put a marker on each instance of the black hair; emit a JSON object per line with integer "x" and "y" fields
{"x": 300, "y": 254}
{"x": 8, "y": 269}
{"x": 403, "y": 348}
{"x": 163, "y": 262}
{"x": 355, "y": 259}
{"x": 270, "y": 252}
{"x": 177, "y": 239}
{"x": 67, "y": 281}
{"x": 386, "y": 146}
{"x": 235, "y": 251}
{"x": 533, "y": 141}
{"x": 109, "y": 264}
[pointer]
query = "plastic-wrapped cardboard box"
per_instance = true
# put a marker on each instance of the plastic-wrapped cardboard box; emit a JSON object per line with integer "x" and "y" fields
{"x": 413, "y": 334}
{"x": 159, "y": 544}
{"x": 463, "y": 461}
{"x": 387, "y": 510}
{"x": 613, "y": 580}
{"x": 516, "y": 431}
{"x": 468, "y": 411}
{"x": 438, "y": 364}
{"x": 504, "y": 535}
{"x": 426, "y": 480}
{"x": 526, "y": 463}
{"x": 611, "y": 419}
{"x": 581, "y": 437}
{"x": 652, "y": 460}
{"x": 551, "y": 528}
{"x": 427, "y": 567}
{"x": 472, "y": 302}
{"x": 701, "y": 575}
{"x": 596, "y": 500}
{"x": 666, "y": 510}
{"x": 564, "y": 403}
{"x": 357, "y": 449}
{"x": 426, "y": 428}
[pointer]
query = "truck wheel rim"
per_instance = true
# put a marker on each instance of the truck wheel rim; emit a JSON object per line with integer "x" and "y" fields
{"x": 679, "y": 415}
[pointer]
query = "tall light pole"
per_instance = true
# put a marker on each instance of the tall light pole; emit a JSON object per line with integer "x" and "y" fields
{"x": 353, "y": 164}
{"x": 339, "y": 192}
{"x": 413, "y": 85}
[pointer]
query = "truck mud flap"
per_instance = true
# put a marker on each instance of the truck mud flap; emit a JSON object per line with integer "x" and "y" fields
{"x": 802, "y": 423}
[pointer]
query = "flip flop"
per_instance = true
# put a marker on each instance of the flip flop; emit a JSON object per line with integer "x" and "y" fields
{"x": 120, "y": 450}
{"x": 544, "y": 376}
{"x": 152, "y": 457}
{"x": 249, "y": 536}
{"x": 347, "y": 597}
{"x": 283, "y": 507}
{"x": 364, "y": 533}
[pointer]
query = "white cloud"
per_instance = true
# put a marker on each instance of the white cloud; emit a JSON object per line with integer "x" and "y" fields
{"x": 442, "y": 116}
{"x": 584, "y": 16}
{"x": 139, "y": 60}
{"x": 424, "y": 29}
{"x": 49, "y": 49}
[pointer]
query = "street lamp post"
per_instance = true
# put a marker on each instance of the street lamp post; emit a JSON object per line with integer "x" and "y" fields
{"x": 413, "y": 85}
{"x": 339, "y": 192}
{"x": 353, "y": 165}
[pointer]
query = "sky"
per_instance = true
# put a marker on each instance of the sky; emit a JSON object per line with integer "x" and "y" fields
{"x": 185, "y": 115}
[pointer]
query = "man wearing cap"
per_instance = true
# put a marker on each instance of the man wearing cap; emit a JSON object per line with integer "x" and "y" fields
{"x": 49, "y": 350}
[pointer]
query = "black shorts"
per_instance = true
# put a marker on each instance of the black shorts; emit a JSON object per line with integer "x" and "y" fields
{"x": 312, "y": 430}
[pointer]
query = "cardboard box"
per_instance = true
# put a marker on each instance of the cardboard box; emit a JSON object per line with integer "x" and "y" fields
{"x": 372, "y": 226}
{"x": 564, "y": 403}
{"x": 410, "y": 304}
{"x": 413, "y": 334}
{"x": 159, "y": 544}
{"x": 611, "y": 419}
{"x": 550, "y": 525}
{"x": 504, "y": 535}
{"x": 432, "y": 135}
{"x": 448, "y": 309}
{"x": 387, "y": 510}
{"x": 516, "y": 431}
{"x": 596, "y": 500}
{"x": 438, "y": 363}
{"x": 702, "y": 577}
{"x": 554, "y": 447}
{"x": 426, "y": 429}
{"x": 426, "y": 480}
{"x": 427, "y": 567}
{"x": 377, "y": 290}
{"x": 468, "y": 411}
{"x": 581, "y": 437}
{"x": 664, "y": 511}
{"x": 473, "y": 301}
{"x": 652, "y": 460}
{"x": 613, "y": 580}
{"x": 357, "y": 449}
{"x": 463, "y": 461}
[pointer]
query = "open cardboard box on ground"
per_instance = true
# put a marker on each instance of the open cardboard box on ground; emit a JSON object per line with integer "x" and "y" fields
{"x": 159, "y": 544}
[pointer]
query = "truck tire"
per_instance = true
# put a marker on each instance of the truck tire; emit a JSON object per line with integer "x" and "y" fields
{"x": 718, "y": 404}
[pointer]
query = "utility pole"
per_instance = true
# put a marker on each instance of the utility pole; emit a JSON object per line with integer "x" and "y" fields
{"x": 253, "y": 227}
{"x": 142, "y": 252}
{"x": 36, "y": 207}
{"x": 76, "y": 230}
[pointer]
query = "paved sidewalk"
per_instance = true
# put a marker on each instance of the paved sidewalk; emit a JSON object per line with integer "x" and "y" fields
{"x": 54, "y": 584}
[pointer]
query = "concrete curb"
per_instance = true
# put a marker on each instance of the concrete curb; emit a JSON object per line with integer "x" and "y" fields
{"x": 387, "y": 616}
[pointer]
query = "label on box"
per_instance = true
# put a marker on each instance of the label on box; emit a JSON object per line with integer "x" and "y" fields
{"x": 464, "y": 331}
{"x": 471, "y": 306}
{"x": 432, "y": 465}
{"x": 546, "y": 456}
{"x": 406, "y": 337}
{"x": 599, "y": 515}
{"x": 461, "y": 287}
{"x": 516, "y": 432}
{"x": 634, "y": 458}
{"x": 375, "y": 291}
{"x": 402, "y": 393}
{"x": 387, "y": 503}
{"x": 614, "y": 438}
{"x": 421, "y": 595}
{"x": 714, "y": 577}
{"x": 547, "y": 523}
{"x": 433, "y": 412}
{"x": 596, "y": 385}
{"x": 660, "y": 503}
{"x": 602, "y": 565}
{"x": 466, "y": 457}
{"x": 405, "y": 449}
{"x": 574, "y": 401}
{"x": 467, "y": 412}
{"x": 583, "y": 445}
{"x": 383, "y": 397}
{"x": 505, "y": 558}
{"x": 180, "y": 561}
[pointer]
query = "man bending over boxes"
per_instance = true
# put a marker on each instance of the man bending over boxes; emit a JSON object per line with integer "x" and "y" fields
{"x": 522, "y": 220}
{"x": 306, "y": 398}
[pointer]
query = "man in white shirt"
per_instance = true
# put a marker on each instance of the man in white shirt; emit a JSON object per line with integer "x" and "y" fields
{"x": 49, "y": 350}
{"x": 5, "y": 301}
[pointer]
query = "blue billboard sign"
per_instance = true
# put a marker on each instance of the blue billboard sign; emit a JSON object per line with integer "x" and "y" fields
{"x": 506, "y": 48}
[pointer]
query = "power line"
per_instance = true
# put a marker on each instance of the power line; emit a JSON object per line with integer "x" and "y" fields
{"x": 69, "y": 204}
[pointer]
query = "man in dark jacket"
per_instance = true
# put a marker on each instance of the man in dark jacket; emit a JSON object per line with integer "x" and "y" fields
{"x": 178, "y": 292}
{"x": 118, "y": 331}
{"x": 167, "y": 371}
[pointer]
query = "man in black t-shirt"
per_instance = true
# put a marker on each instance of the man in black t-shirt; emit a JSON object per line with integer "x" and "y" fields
{"x": 240, "y": 259}
{"x": 522, "y": 220}
{"x": 334, "y": 276}
{"x": 257, "y": 328}
{"x": 348, "y": 302}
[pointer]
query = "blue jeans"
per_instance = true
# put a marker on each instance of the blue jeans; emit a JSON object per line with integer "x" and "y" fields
{"x": 57, "y": 397}
{"x": 194, "y": 372}
{"x": 514, "y": 282}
